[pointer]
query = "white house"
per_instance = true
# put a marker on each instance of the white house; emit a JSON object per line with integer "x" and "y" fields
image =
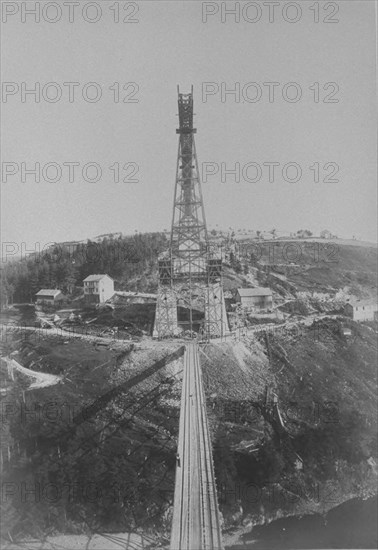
{"x": 98, "y": 288}
{"x": 361, "y": 310}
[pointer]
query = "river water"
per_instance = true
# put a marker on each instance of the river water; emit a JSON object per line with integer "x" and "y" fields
{"x": 350, "y": 525}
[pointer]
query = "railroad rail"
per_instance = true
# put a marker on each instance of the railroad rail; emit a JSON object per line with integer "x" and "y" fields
{"x": 196, "y": 522}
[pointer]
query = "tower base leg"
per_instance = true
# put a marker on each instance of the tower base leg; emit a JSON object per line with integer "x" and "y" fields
{"x": 166, "y": 325}
{"x": 215, "y": 312}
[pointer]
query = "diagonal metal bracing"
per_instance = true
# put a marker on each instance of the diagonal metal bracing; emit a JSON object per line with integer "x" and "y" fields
{"x": 189, "y": 259}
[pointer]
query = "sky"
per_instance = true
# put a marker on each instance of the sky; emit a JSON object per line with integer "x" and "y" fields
{"x": 319, "y": 127}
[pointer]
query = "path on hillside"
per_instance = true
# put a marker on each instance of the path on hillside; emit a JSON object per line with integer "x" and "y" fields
{"x": 42, "y": 379}
{"x": 54, "y": 331}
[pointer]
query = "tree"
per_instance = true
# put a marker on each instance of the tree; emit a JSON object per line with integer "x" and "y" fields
{"x": 70, "y": 278}
{"x": 237, "y": 266}
{"x": 124, "y": 258}
{"x": 6, "y": 292}
{"x": 304, "y": 233}
{"x": 33, "y": 286}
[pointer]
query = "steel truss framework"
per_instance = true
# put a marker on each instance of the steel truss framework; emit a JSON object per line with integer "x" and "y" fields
{"x": 188, "y": 274}
{"x": 166, "y": 324}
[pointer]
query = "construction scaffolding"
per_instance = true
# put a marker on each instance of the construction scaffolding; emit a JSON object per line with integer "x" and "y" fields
{"x": 189, "y": 275}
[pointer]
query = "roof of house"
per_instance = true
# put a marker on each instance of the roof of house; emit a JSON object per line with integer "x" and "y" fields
{"x": 250, "y": 292}
{"x": 48, "y": 292}
{"x": 95, "y": 277}
{"x": 357, "y": 303}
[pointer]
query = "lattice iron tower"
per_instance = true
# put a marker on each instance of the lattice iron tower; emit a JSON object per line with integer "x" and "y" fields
{"x": 188, "y": 232}
{"x": 188, "y": 274}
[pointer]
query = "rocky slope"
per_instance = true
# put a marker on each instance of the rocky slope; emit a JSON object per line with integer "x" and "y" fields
{"x": 294, "y": 422}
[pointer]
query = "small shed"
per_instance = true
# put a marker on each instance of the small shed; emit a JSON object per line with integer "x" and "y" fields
{"x": 258, "y": 298}
{"x": 49, "y": 296}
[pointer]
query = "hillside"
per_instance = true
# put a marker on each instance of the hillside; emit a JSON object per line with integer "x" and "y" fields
{"x": 325, "y": 389}
{"x": 313, "y": 266}
{"x": 126, "y": 448}
{"x": 287, "y": 266}
{"x": 291, "y": 413}
{"x": 131, "y": 261}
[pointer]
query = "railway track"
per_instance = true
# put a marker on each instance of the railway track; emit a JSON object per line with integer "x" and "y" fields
{"x": 196, "y": 523}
